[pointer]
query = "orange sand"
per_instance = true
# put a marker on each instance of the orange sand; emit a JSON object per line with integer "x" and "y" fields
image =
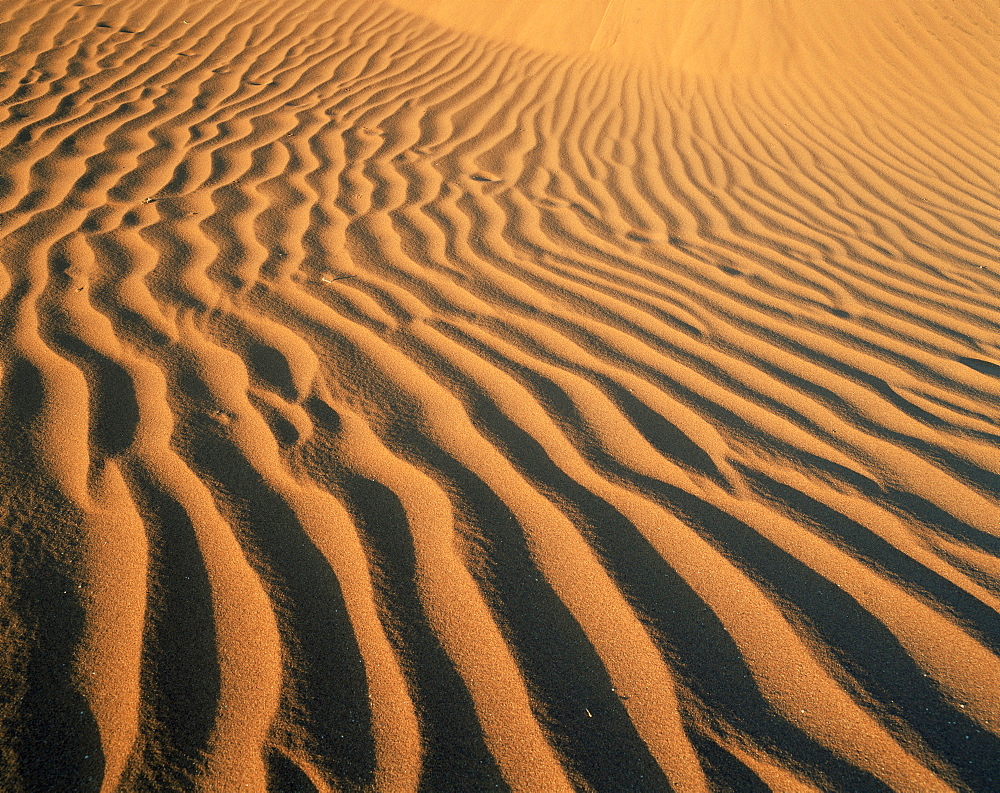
{"x": 451, "y": 395}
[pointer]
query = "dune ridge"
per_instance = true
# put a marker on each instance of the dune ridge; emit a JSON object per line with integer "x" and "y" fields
{"x": 395, "y": 406}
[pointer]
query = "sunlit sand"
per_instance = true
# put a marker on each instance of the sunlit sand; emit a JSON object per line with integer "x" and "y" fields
{"x": 465, "y": 396}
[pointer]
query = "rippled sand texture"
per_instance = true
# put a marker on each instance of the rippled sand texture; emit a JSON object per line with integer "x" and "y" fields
{"x": 542, "y": 402}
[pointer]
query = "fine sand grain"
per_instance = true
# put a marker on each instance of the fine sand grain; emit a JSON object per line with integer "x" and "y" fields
{"x": 546, "y": 395}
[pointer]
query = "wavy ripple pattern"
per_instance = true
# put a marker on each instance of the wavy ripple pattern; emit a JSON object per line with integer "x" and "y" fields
{"x": 389, "y": 408}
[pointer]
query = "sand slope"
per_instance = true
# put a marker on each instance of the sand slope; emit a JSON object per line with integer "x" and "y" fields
{"x": 459, "y": 397}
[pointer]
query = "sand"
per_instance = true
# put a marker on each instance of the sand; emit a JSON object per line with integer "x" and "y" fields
{"x": 450, "y": 395}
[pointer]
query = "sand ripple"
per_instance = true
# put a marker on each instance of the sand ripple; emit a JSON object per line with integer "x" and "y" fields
{"x": 390, "y": 407}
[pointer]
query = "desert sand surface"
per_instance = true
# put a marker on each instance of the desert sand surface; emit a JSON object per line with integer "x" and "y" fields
{"x": 470, "y": 396}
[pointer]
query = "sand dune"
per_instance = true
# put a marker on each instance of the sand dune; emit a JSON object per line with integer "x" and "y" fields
{"x": 465, "y": 396}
